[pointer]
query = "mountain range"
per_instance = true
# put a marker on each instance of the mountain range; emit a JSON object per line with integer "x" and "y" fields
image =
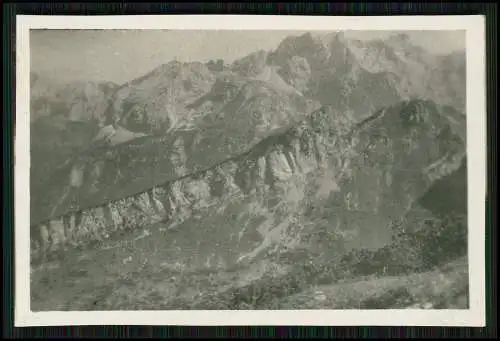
{"x": 318, "y": 157}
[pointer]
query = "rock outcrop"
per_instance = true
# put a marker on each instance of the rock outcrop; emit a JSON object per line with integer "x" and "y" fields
{"x": 113, "y": 171}
{"x": 184, "y": 117}
{"x": 324, "y": 172}
{"x": 159, "y": 101}
{"x": 328, "y": 173}
{"x": 364, "y": 76}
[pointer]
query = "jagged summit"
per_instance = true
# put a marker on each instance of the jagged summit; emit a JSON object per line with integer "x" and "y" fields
{"x": 399, "y": 122}
{"x": 307, "y": 194}
{"x": 323, "y": 160}
{"x": 179, "y": 106}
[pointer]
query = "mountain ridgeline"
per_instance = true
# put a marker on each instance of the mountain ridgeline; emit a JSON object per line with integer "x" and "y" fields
{"x": 96, "y": 142}
{"x": 322, "y": 160}
{"x": 321, "y": 183}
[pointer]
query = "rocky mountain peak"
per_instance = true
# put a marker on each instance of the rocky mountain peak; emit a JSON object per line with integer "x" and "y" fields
{"x": 251, "y": 65}
{"x": 308, "y": 163}
{"x": 305, "y": 46}
{"x": 295, "y": 183}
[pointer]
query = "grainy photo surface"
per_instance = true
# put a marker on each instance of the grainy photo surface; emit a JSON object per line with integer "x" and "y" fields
{"x": 244, "y": 170}
{"x": 248, "y": 170}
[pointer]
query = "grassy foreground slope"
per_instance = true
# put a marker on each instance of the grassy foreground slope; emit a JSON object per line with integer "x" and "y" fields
{"x": 112, "y": 277}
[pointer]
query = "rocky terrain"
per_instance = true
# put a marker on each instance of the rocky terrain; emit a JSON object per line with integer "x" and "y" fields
{"x": 317, "y": 175}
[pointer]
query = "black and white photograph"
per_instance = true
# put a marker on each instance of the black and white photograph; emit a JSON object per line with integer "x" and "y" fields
{"x": 307, "y": 169}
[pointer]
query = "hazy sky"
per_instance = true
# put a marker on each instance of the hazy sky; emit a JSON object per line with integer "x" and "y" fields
{"x": 121, "y": 55}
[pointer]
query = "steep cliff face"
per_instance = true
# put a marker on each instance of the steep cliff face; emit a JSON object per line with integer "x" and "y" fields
{"x": 251, "y": 65}
{"x": 325, "y": 183}
{"x": 115, "y": 170}
{"x": 159, "y": 101}
{"x": 347, "y": 73}
{"x": 241, "y": 186}
{"x": 186, "y": 95}
{"x": 184, "y": 117}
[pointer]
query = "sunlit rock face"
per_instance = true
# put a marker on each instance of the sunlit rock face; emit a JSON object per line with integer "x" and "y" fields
{"x": 362, "y": 76}
{"x": 159, "y": 100}
{"x": 251, "y": 65}
{"x": 181, "y": 118}
{"x": 325, "y": 172}
{"x": 136, "y": 154}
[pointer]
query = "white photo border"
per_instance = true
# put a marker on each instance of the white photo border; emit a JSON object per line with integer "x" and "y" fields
{"x": 475, "y": 316}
